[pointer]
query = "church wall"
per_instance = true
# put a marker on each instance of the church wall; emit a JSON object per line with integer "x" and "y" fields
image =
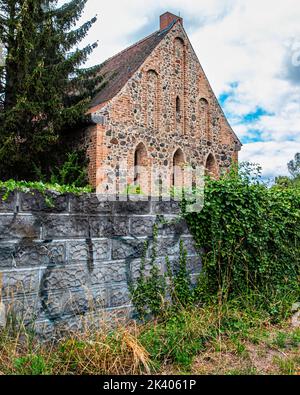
{"x": 161, "y": 106}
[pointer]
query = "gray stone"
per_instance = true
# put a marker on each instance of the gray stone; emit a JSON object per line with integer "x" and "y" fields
{"x": 166, "y": 207}
{"x": 100, "y": 298}
{"x": 117, "y": 272}
{"x": 132, "y": 207}
{"x": 27, "y": 253}
{"x": 109, "y": 226}
{"x": 142, "y": 226}
{"x": 128, "y": 247}
{"x": 50, "y": 201}
{"x": 19, "y": 227}
{"x": 78, "y": 251}
{"x": 61, "y": 226}
{"x": 189, "y": 245}
{"x": 174, "y": 226}
{"x": 7, "y": 203}
{"x": 24, "y": 309}
{"x": 44, "y": 329}
{"x": 193, "y": 264}
{"x": 83, "y": 262}
{"x": 111, "y": 273}
{"x": 91, "y": 204}
{"x": 135, "y": 267}
{"x": 167, "y": 246}
{"x": 98, "y": 250}
{"x": 7, "y": 255}
{"x": 102, "y": 250}
{"x": 20, "y": 282}
{"x": 116, "y": 316}
{"x": 63, "y": 278}
{"x": 66, "y": 302}
{"x": 99, "y": 276}
{"x": 119, "y": 296}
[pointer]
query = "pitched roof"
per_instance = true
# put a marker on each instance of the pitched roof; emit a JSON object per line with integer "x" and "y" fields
{"x": 121, "y": 67}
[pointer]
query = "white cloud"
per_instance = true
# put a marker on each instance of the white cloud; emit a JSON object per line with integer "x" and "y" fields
{"x": 272, "y": 156}
{"x": 249, "y": 42}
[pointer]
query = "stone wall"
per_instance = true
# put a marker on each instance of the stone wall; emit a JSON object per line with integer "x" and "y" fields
{"x": 64, "y": 265}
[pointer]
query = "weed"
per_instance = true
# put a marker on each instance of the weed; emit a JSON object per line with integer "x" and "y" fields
{"x": 290, "y": 366}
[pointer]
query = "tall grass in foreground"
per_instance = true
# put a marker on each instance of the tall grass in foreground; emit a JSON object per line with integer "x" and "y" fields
{"x": 183, "y": 342}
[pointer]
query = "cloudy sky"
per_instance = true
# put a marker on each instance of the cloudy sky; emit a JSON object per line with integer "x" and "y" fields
{"x": 250, "y": 51}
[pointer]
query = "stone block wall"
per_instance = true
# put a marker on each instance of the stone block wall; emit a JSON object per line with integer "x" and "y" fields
{"x": 65, "y": 265}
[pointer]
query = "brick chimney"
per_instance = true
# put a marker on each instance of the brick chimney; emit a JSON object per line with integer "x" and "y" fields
{"x": 167, "y": 18}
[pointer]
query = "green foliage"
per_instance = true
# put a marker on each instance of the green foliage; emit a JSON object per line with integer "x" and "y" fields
{"x": 288, "y": 366}
{"x": 287, "y": 340}
{"x": 250, "y": 235}
{"x": 44, "y": 91}
{"x": 31, "y": 365}
{"x": 133, "y": 190}
{"x": 31, "y": 186}
{"x": 177, "y": 340}
{"x": 180, "y": 287}
{"x": 154, "y": 293}
{"x": 288, "y": 182}
{"x": 148, "y": 292}
{"x": 294, "y": 180}
{"x": 72, "y": 171}
{"x": 183, "y": 334}
{"x": 182, "y": 342}
{"x": 284, "y": 181}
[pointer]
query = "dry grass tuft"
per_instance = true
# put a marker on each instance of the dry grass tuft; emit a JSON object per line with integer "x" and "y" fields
{"x": 198, "y": 341}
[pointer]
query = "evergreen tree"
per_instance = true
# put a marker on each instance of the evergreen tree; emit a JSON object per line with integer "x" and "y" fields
{"x": 44, "y": 92}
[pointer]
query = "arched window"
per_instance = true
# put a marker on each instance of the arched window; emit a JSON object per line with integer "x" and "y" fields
{"x": 179, "y": 83}
{"x": 152, "y": 98}
{"x": 211, "y": 167}
{"x": 141, "y": 169}
{"x": 178, "y": 163}
{"x": 177, "y": 105}
{"x": 178, "y": 109}
{"x": 204, "y": 119}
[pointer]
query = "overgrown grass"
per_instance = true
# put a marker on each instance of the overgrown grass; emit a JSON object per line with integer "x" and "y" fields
{"x": 212, "y": 339}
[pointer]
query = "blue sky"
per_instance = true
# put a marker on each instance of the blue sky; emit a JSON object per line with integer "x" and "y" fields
{"x": 250, "y": 52}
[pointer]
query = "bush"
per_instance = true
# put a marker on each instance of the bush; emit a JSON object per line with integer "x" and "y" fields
{"x": 154, "y": 293}
{"x": 251, "y": 239}
{"x": 73, "y": 171}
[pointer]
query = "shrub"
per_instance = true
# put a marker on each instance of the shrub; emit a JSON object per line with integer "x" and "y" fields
{"x": 251, "y": 239}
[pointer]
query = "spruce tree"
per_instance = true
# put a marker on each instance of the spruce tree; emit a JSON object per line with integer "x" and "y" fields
{"x": 44, "y": 91}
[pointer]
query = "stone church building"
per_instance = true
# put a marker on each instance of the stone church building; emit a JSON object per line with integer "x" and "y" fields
{"x": 157, "y": 111}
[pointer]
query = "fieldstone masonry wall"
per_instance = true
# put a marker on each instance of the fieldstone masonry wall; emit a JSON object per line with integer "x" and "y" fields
{"x": 63, "y": 266}
{"x": 167, "y": 104}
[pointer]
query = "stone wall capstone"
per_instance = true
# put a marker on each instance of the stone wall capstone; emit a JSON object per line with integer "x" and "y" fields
{"x": 68, "y": 264}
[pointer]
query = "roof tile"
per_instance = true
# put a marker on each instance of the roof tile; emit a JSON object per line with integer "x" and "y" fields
{"x": 121, "y": 67}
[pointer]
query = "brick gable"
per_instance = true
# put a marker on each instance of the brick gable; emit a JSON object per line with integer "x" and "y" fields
{"x": 160, "y": 97}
